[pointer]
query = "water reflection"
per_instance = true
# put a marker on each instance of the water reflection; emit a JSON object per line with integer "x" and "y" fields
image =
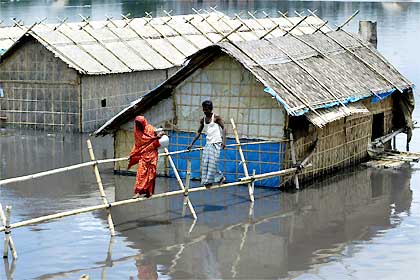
{"x": 288, "y": 231}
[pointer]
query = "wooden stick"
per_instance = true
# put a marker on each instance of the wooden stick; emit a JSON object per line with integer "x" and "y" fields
{"x": 242, "y": 181}
{"x": 101, "y": 188}
{"x": 347, "y": 20}
{"x": 292, "y": 150}
{"x": 7, "y": 232}
{"x": 181, "y": 185}
{"x": 11, "y": 243}
{"x": 187, "y": 186}
{"x": 241, "y": 154}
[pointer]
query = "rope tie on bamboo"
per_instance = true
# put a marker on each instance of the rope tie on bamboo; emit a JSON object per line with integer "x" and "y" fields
{"x": 109, "y": 205}
{"x": 7, "y": 230}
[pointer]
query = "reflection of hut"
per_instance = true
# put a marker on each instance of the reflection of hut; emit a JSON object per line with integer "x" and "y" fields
{"x": 289, "y": 232}
{"x": 73, "y": 77}
{"x": 326, "y": 89}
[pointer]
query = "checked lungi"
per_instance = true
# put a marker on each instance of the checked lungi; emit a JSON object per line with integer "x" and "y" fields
{"x": 210, "y": 172}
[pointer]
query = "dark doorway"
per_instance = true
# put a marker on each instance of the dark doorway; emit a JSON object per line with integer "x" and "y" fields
{"x": 377, "y": 126}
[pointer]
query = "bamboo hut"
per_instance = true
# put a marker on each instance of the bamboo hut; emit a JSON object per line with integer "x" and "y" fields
{"x": 75, "y": 76}
{"x": 332, "y": 92}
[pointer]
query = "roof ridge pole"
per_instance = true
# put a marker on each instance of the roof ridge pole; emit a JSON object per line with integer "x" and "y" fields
{"x": 83, "y": 49}
{"x": 202, "y": 33}
{"x": 51, "y": 46}
{"x": 62, "y": 21}
{"x": 125, "y": 17}
{"x": 288, "y": 20}
{"x": 109, "y": 20}
{"x": 342, "y": 67}
{"x": 228, "y": 24}
{"x": 147, "y": 43}
{"x": 166, "y": 39}
{"x": 340, "y": 28}
{"x": 304, "y": 68}
{"x": 128, "y": 45}
{"x": 363, "y": 61}
{"x": 85, "y": 20}
{"x": 17, "y": 23}
{"x": 246, "y": 25}
{"x": 181, "y": 35}
{"x": 105, "y": 47}
{"x": 282, "y": 83}
{"x": 298, "y": 63}
{"x": 347, "y": 20}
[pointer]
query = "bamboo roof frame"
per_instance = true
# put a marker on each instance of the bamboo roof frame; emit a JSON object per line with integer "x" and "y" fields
{"x": 273, "y": 76}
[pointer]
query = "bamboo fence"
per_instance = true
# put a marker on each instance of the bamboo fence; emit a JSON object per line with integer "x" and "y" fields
{"x": 184, "y": 188}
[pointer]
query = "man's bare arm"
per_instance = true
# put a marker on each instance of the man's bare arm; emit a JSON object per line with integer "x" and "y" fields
{"x": 197, "y": 134}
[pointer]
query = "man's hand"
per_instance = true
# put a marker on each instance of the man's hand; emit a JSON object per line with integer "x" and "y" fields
{"x": 223, "y": 146}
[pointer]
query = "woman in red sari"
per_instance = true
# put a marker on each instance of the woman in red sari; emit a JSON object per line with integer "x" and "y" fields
{"x": 145, "y": 154}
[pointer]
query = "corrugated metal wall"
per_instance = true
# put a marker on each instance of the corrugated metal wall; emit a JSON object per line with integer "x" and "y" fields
{"x": 39, "y": 90}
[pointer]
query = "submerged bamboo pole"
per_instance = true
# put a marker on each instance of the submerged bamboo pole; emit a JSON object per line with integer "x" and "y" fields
{"x": 11, "y": 243}
{"x": 7, "y": 232}
{"x": 243, "y": 161}
{"x": 101, "y": 188}
{"x": 242, "y": 181}
{"x": 187, "y": 186}
{"x": 181, "y": 185}
{"x": 292, "y": 151}
{"x": 102, "y": 161}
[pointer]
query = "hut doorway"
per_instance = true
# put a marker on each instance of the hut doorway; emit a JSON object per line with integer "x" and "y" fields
{"x": 377, "y": 126}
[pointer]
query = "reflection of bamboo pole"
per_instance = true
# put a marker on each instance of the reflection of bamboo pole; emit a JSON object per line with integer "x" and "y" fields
{"x": 9, "y": 270}
{"x": 187, "y": 186}
{"x": 101, "y": 188}
{"x": 242, "y": 181}
{"x": 11, "y": 243}
{"x": 292, "y": 151}
{"x": 102, "y": 161}
{"x": 7, "y": 232}
{"x": 244, "y": 166}
{"x": 181, "y": 185}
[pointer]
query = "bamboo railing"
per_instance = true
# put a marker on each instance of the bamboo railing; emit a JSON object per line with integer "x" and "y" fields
{"x": 106, "y": 205}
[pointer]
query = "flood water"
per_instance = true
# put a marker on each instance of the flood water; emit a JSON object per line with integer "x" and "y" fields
{"x": 359, "y": 224}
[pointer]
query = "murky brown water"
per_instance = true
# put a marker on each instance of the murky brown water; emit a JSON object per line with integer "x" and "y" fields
{"x": 361, "y": 224}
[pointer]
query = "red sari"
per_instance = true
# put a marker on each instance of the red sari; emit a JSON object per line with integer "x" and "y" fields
{"x": 145, "y": 154}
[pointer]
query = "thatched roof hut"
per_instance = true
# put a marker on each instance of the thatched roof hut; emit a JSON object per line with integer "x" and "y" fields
{"x": 330, "y": 89}
{"x": 74, "y": 77}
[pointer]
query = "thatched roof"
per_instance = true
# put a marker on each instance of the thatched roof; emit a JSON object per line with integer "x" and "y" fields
{"x": 309, "y": 73}
{"x": 121, "y": 46}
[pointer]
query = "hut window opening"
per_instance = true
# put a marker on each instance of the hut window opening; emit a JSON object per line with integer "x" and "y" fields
{"x": 1, "y": 93}
{"x": 103, "y": 102}
{"x": 377, "y": 126}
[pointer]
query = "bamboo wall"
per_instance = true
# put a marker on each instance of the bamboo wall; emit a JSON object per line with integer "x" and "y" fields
{"x": 235, "y": 94}
{"x": 40, "y": 91}
{"x": 118, "y": 91}
{"x": 341, "y": 143}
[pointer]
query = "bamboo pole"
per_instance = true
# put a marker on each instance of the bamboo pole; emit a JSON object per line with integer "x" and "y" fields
{"x": 11, "y": 243}
{"x": 242, "y": 181}
{"x": 101, "y": 188}
{"x": 102, "y": 161}
{"x": 373, "y": 69}
{"x": 181, "y": 185}
{"x": 187, "y": 186}
{"x": 7, "y": 232}
{"x": 292, "y": 150}
{"x": 241, "y": 154}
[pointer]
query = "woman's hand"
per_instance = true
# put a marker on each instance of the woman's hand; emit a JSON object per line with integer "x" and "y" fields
{"x": 160, "y": 134}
